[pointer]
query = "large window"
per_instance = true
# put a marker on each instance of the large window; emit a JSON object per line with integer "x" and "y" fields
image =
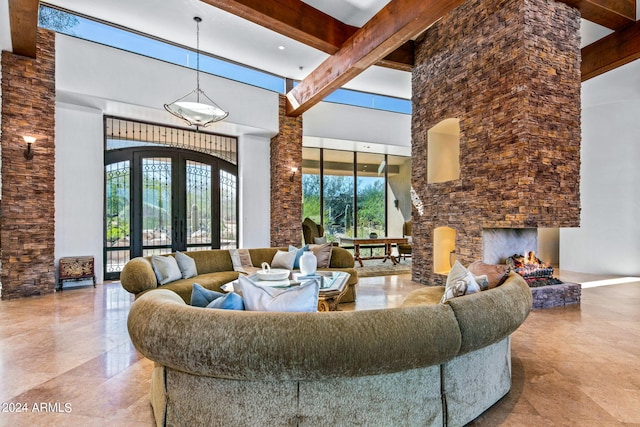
{"x": 355, "y": 194}
{"x": 166, "y": 189}
{"x": 69, "y": 23}
{"x": 371, "y": 189}
{"x": 338, "y": 194}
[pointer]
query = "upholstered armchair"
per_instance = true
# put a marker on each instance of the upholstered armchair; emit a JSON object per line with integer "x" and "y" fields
{"x": 404, "y": 249}
{"x": 311, "y": 231}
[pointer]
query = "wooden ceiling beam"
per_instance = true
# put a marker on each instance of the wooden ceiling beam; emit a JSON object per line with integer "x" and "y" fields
{"x": 612, "y": 14}
{"x": 612, "y": 51}
{"x": 401, "y": 59}
{"x": 301, "y": 22}
{"x": 395, "y": 24}
{"x": 291, "y": 18}
{"x": 23, "y": 18}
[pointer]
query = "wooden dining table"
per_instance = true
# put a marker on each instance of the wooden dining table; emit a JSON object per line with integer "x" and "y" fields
{"x": 388, "y": 242}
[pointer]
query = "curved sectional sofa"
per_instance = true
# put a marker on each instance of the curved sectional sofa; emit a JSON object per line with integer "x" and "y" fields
{"x": 215, "y": 269}
{"x": 423, "y": 363}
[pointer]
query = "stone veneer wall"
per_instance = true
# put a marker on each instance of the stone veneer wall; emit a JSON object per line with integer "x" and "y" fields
{"x": 286, "y": 196}
{"x": 510, "y": 71}
{"x": 27, "y": 229}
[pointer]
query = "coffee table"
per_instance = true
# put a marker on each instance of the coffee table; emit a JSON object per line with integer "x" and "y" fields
{"x": 333, "y": 285}
{"x": 387, "y": 241}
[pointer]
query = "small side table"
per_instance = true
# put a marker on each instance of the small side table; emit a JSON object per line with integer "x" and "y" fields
{"x": 76, "y": 268}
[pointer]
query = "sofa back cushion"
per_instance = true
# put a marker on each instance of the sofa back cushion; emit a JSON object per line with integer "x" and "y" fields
{"x": 490, "y": 316}
{"x": 258, "y": 256}
{"x": 212, "y": 261}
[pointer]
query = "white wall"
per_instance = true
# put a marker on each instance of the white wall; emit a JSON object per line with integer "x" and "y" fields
{"x": 254, "y": 171}
{"x": 109, "y": 81}
{"x": 347, "y": 123}
{"x": 79, "y": 167}
{"x": 608, "y": 240}
{"x": 92, "y": 80}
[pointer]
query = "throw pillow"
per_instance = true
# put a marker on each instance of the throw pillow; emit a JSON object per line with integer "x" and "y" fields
{"x": 320, "y": 240}
{"x": 231, "y": 301}
{"x": 241, "y": 260}
{"x": 201, "y": 296}
{"x": 460, "y": 281}
{"x": 482, "y": 281}
{"x": 496, "y": 273}
{"x": 453, "y": 290}
{"x": 299, "y": 252}
{"x": 322, "y": 253}
{"x": 457, "y": 273}
{"x": 187, "y": 265}
{"x": 261, "y": 298}
{"x": 284, "y": 260}
{"x": 166, "y": 269}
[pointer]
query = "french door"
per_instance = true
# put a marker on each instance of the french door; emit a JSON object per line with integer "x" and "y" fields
{"x": 162, "y": 200}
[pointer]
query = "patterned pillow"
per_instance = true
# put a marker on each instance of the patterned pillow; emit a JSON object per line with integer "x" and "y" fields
{"x": 453, "y": 290}
{"x": 460, "y": 282}
{"x": 241, "y": 260}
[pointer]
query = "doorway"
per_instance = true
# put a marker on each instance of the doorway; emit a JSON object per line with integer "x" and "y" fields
{"x": 161, "y": 200}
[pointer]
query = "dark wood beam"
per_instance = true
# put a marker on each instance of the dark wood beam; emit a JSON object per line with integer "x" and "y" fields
{"x": 613, "y": 51}
{"x": 301, "y": 22}
{"x": 613, "y": 14}
{"x": 395, "y": 24}
{"x": 292, "y": 18}
{"x": 400, "y": 59}
{"x": 23, "y": 18}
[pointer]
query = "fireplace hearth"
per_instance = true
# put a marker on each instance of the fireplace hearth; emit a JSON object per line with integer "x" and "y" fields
{"x": 505, "y": 246}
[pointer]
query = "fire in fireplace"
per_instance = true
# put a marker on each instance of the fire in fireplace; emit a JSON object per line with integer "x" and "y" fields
{"x": 535, "y": 272}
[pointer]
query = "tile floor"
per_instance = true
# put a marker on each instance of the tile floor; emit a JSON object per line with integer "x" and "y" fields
{"x": 66, "y": 359}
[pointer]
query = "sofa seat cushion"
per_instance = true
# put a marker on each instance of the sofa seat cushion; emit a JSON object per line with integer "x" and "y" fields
{"x": 211, "y": 281}
{"x": 426, "y": 295}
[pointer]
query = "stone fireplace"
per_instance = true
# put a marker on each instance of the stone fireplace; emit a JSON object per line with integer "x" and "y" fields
{"x": 496, "y": 113}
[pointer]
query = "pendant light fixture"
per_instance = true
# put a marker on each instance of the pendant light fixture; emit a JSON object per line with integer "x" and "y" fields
{"x": 196, "y": 108}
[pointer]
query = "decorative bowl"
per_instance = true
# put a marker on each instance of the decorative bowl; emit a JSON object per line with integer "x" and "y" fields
{"x": 273, "y": 274}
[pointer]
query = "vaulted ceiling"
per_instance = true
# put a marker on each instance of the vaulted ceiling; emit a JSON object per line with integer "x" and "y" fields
{"x": 363, "y": 44}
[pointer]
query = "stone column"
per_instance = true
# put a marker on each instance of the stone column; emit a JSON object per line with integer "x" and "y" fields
{"x": 509, "y": 70}
{"x": 27, "y": 228}
{"x": 286, "y": 188}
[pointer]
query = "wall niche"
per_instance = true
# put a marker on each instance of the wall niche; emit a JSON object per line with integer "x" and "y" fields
{"x": 443, "y": 151}
{"x": 444, "y": 249}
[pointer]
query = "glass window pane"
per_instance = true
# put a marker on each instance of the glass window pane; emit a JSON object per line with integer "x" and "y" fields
{"x": 338, "y": 194}
{"x": 311, "y": 184}
{"x": 371, "y": 190}
{"x": 156, "y": 202}
{"x": 118, "y": 224}
{"x": 228, "y": 211}
{"x": 198, "y": 204}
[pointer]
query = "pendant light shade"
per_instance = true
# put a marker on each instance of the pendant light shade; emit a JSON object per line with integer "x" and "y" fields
{"x": 196, "y": 108}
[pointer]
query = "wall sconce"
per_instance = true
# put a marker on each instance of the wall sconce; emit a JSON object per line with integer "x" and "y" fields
{"x": 293, "y": 173}
{"x": 28, "y": 154}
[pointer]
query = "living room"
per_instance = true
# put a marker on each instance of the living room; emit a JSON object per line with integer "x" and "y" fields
{"x": 86, "y": 91}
